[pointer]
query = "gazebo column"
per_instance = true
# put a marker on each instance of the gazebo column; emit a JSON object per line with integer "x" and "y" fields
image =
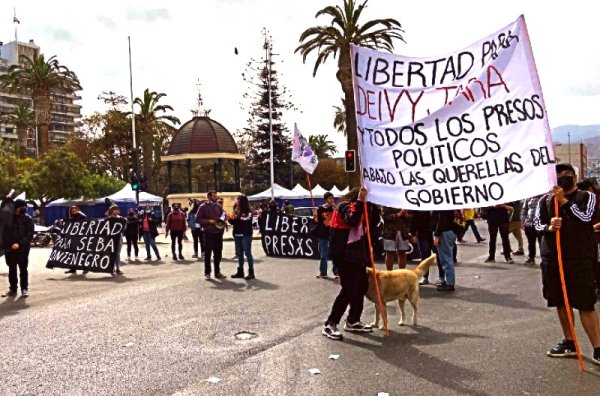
{"x": 215, "y": 177}
{"x": 219, "y": 173}
{"x": 169, "y": 170}
{"x": 189, "y": 172}
{"x": 237, "y": 174}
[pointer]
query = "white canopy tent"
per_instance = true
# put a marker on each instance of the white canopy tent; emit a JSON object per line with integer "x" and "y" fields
{"x": 126, "y": 194}
{"x": 318, "y": 191}
{"x": 300, "y": 191}
{"x": 335, "y": 191}
{"x": 279, "y": 192}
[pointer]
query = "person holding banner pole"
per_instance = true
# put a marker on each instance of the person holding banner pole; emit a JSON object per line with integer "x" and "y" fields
{"x": 76, "y": 214}
{"x": 349, "y": 251}
{"x": 115, "y": 212}
{"x": 574, "y": 221}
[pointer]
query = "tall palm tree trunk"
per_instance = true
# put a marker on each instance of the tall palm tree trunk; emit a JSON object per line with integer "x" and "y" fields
{"x": 43, "y": 138}
{"x": 22, "y": 137}
{"x": 43, "y": 104}
{"x": 344, "y": 75}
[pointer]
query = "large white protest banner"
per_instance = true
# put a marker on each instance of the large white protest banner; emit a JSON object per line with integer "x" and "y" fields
{"x": 467, "y": 129}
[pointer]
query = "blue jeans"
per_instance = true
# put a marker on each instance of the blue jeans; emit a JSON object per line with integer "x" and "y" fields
{"x": 323, "y": 253}
{"x": 445, "y": 255}
{"x": 425, "y": 250}
{"x": 243, "y": 247}
{"x": 150, "y": 242}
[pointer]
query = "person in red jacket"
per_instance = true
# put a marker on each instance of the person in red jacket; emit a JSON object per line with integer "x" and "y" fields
{"x": 176, "y": 225}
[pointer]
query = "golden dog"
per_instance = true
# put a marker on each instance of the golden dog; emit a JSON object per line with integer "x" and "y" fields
{"x": 397, "y": 285}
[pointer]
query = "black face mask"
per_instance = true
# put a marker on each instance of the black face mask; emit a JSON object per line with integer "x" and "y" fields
{"x": 565, "y": 182}
{"x": 22, "y": 211}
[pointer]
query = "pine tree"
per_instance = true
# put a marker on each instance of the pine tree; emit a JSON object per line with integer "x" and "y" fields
{"x": 254, "y": 139}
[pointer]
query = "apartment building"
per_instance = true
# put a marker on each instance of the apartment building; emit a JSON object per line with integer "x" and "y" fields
{"x": 66, "y": 114}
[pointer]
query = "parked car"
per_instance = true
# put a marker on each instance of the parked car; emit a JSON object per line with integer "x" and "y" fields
{"x": 306, "y": 211}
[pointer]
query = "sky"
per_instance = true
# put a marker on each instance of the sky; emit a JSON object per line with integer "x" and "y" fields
{"x": 175, "y": 44}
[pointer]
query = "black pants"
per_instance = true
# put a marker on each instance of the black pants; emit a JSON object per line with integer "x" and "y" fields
{"x": 503, "y": 229}
{"x": 198, "y": 239}
{"x": 533, "y": 237}
{"x": 213, "y": 245}
{"x": 132, "y": 241}
{"x": 14, "y": 260}
{"x": 176, "y": 237}
{"x": 354, "y": 282}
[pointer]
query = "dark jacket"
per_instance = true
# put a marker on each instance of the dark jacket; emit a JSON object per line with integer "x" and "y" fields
{"x": 20, "y": 231}
{"x": 497, "y": 215}
{"x": 209, "y": 211}
{"x": 133, "y": 227}
{"x": 324, "y": 213}
{"x": 152, "y": 223}
{"x": 420, "y": 225}
{"x": 349, "y": 215}
{"x": 176, "y": 221}
{"x": 393, "y": 223}
{"x": 242, "y": 225}
{"x": 442, "y": 221}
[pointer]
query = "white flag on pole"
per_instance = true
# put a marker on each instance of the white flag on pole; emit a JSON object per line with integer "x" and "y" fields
{"x": 302, "y": 153}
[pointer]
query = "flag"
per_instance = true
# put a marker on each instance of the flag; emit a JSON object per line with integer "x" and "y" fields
{"x": 302, "y": 153}
{"x": 15, "y": 20}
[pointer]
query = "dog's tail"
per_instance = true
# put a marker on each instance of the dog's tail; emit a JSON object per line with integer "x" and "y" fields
{"x": 422, "y": 267}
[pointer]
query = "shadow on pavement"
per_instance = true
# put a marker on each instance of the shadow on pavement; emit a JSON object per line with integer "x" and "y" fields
{"x": 83, "y": 278}
{"x": 12, "y": 305}
{"x": 400, "y": 351}
{"x": 242, "y": 284}
{"x": 483, "y": 296}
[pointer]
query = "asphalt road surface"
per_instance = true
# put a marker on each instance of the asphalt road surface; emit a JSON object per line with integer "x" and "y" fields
{"x": 162, "y": 329}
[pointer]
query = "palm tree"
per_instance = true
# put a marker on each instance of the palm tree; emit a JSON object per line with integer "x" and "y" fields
{"x": 335, "y": 38}
{"x": 22, "y": 118}
{"x": 151, "y": 127}
{"x": 41, "y": 79}
{"x": 339, "y": 120}
{"x": 322, "y": 147}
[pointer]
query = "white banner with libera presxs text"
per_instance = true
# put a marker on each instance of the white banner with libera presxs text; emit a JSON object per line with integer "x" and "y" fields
{"x": 468, "y": 129}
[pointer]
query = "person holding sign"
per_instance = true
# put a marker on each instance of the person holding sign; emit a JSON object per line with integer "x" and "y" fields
{"x": 17, "y": 236}
{"x": 149, "y": 231}
{"x": 115, "y": 212}
{"x": 349, "y": 251}
{"x": 396, "y": 225}
{"x": 76, "y": 214}
{"x": 577, "y": 246}
{"x": 209, "y": 214}
{"x": 176, "y": 224}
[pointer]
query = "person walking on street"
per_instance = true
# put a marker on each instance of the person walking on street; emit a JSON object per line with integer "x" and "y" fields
{"x": 498, "y": 219}
{"x": 241, "y": 220}
{"x": 149, "y": 231}
{"x": 75, "y": 214}
{"x": 445, "y": 241}
{"x": 528, "y": 210}
{"x": 197, "y": 238}
{"x": 17, "y": 236}
{"x": 322, "y": 217}
{"x": 132, "y": 231}
{"x": 515, "y": 226}
{"x": 348, "y": 245}
{"x": 469, "y": 216}
{"x": 578, "y": 257}
{"x": 209, "y": 215}
{"x": 176, "y": 224}
{"x": 396, "y": 225}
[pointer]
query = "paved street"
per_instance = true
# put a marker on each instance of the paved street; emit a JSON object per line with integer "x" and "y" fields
{"x": 162, "y": 329}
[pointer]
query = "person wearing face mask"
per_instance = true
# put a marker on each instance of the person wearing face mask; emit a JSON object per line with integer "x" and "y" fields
{"x": 17, "y": 237}
{"x": 574, "y": 220}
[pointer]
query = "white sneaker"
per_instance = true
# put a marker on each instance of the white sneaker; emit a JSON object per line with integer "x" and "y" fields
{"x": 25, "y": 293}
{"x": 331, "y": 331}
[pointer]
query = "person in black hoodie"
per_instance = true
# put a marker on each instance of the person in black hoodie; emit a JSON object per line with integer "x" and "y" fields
{"x": 16, "y": 243}
{"x": 442, "y": 222}
{"x": 132, "y": 233}
{"x": 350, "y": 254}
{"x": 75, "y": 214}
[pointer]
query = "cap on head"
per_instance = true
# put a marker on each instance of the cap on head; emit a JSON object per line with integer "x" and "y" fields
{"x": 20, "y": 203}
{"x": 564, "y": 167}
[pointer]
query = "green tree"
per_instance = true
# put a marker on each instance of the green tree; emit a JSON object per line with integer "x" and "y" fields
{"x": 8, "y": 166}
{"x": 153, "y": 132}
{"x": 327, "y": 174}
{"x": 22, "y": 118}
{"x": 254, "y": 139}
{"x": 41, "y": 79}
{"x": 339, "y": 119}
{"x": 321, "y": 146}
{"x": 335, "y": 38}
{"x": 102, "y": 185}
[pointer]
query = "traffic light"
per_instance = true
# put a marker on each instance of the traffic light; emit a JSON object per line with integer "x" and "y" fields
{"x": 135, "y": 183}
{"x": 133, "y": 160}
{"x": 350, "y": 161}
{"x": 143, "y": 183}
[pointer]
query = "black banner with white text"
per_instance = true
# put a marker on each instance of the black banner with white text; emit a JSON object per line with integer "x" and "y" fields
{"x": 285, "y": 235}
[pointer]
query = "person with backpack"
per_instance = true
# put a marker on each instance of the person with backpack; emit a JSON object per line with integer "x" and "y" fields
{"x": 176, "y": 224}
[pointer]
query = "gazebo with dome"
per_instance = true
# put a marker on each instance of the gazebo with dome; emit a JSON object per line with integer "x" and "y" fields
{"x": 202, "y": 156}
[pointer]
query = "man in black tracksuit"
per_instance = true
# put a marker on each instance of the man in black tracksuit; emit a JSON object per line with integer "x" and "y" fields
{"x": 16, "y": 243}
{"x": 349, "y": 251}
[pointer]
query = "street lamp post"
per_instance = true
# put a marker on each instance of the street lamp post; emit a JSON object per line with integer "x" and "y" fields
{"x": 268, "y": 47}
{"x": 137, "y": 192}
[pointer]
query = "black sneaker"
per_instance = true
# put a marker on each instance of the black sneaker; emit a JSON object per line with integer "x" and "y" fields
{"x": 10, "y": 293}
{"x": 563, "y": 349}
{"x": 424, "y": 281}
{"x": 519, "y": 253}
{"x": 358, "y": 327}
{"x": 181, "y": 257}
{"x": 119, "y": 272}
{"x": 331, "y": 331}
{"x": 445, "y": 288}
{"x": 508, "y": 260}
{"x": 220, "y": 276}
{"x": 530, "y": 261}
{"x": 71, "y": 271}
{"x": 596, "y": 356}
{"x": 174, "y": 257}
{"x": 490, "y": 260}
{"x": 148, "y": 258}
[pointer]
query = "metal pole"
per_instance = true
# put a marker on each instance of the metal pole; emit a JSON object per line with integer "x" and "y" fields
{"x": 137, "y": 192}
{"x": 569, "y": 137}
{"x": 268, "y": 53}
{"x": 37, "y": 140}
